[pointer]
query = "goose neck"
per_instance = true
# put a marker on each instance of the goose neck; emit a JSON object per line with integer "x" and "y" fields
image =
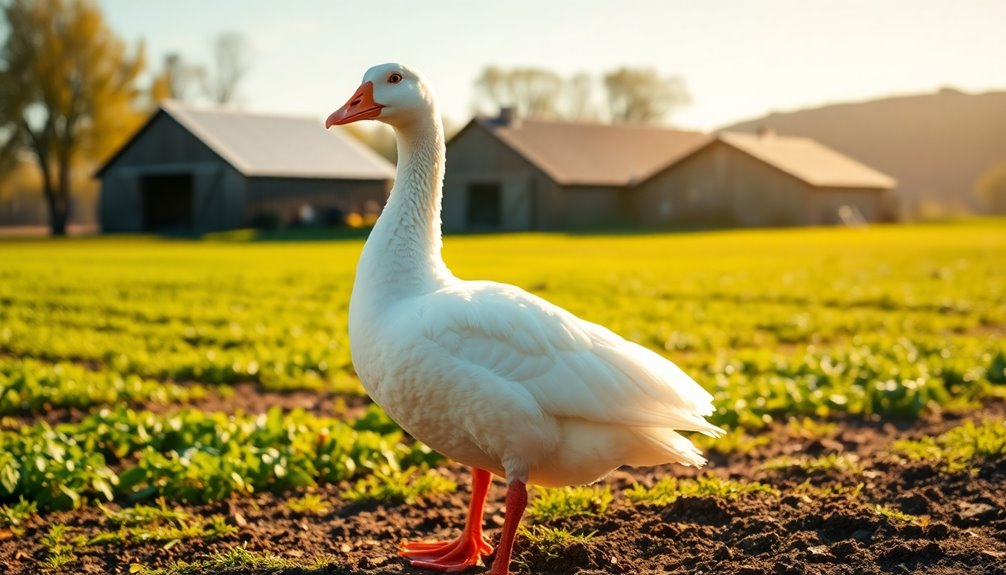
{"x": 407, "y": 235}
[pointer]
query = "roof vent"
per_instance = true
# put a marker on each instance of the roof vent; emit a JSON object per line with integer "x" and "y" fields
{"x": 766, "y": 131}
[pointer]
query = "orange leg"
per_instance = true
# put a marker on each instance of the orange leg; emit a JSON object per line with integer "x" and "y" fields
{"x": 465, "y": 551}
{"x": 516, "y": 501}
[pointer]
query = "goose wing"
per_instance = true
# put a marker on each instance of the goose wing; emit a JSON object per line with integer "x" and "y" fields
{"x": 572, "y": 368}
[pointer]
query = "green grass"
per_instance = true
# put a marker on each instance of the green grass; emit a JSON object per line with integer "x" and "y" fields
{"x": 961, "y": 447}
{"x": 834, "y": 490}
{"x": 669, "y": 489}
{"x": 546, "y": 542}
{"x": 838, "y": 462}
{"x": 401, "y": 487}
{"x": 549, "y": 504}
{"x": 899, "y": 516}
{"x": 233, "y": 561}
{"x": 160, "y": 524}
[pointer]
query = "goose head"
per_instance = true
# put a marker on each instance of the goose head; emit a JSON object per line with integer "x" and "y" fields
{"x": 391, "y": 93}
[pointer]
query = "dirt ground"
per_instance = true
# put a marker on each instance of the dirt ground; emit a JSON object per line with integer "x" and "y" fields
{"x": 796, "y": 532}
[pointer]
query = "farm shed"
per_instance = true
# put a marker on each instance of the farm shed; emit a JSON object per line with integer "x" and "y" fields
{"x": 509, "y": 174}
{"x": 196, "y": 170}
{"x": 764, "y": 180}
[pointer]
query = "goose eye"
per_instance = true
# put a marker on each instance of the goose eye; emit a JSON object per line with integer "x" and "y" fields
{"x": 394, "y": 78}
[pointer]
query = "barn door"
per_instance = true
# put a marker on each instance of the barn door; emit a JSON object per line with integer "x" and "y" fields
{"x": 485, "y": 203}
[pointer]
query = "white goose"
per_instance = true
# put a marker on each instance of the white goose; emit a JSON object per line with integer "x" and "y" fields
{"x": 486, "y": 373}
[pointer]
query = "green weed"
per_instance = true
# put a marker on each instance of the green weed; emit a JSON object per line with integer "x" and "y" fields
{"x": 961, "y": 447}
{"x": 310, "y": 503}
{"x": 896, "y": 515}
{"x": 232, "y": 561}
{"x": 400, "y": 487}
{"x": 548, "y": 542}
{"x": 553, "y": 503}
{"x": 839, "y": 462}
{"x": 669, "y": 489}
{"x": 59, "y": 551}
{"x": 144, "y": 523}
{"x": 807, "y": 488}
{"x": 15, "y": 515}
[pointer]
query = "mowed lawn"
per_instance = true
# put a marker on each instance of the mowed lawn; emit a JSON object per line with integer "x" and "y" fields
{"x": 118, "y": 355}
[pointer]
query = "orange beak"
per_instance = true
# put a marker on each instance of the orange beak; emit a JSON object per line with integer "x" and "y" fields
{"x": 360, "y": 107}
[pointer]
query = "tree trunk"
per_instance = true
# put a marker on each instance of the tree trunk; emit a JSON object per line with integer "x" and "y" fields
{"x": 59, "y": 212}
{"x": 59, "y": 202}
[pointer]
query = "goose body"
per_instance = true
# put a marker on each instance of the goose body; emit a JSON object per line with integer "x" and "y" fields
{"x": 486, "y": 373}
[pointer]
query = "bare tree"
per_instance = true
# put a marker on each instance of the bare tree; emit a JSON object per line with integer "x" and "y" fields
{"x": 535, "y": 92}
{"x": 230, "y": 65}
{"x": 642, "y": 96}
{"x": 580, "y": 104}
{"x": 176, "y": 79}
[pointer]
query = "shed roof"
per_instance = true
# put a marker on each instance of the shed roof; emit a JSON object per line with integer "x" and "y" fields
{"x": 581, "y": 153}
{"x": 806, "y": 159}
{"x": 275, "y": 145}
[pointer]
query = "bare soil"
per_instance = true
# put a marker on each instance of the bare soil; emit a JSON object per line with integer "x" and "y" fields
{"x": 963, "y": 530}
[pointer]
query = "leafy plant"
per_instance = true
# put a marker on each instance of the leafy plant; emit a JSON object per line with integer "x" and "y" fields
{"x": 59, "y": 551}
{"x": 16, "y": 514}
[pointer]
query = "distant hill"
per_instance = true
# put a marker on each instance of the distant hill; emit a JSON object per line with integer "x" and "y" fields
{"x": 936, "y": 145}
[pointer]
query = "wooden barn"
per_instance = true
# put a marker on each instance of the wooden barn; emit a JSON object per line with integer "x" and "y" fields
{"x": 197, "y": 170}
{"x": 509, "y": 174}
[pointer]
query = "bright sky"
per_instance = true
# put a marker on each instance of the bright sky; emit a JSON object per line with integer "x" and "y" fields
{"x": 739, "y": 58}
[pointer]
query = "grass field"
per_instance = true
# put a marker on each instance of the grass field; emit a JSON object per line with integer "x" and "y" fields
{"x": 149, "y": 388}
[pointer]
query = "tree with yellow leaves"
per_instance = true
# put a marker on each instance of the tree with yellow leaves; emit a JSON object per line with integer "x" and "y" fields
{"x": 67, "y": 90}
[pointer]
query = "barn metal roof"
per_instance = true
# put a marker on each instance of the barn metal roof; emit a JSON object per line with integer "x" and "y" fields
{"x": 582, "y": 153}
{"x": 277, "y": 146}
{"x": 814, "y": 163}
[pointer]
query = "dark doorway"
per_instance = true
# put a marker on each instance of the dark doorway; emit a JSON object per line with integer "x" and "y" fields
{"x": 168, "y": 203}
{"x": 484, "y": 207}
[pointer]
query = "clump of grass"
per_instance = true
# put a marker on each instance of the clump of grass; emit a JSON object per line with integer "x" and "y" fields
{"x": 399, "y": 487}
{"x": 807, "y": 428}
{"x": 59, "y": 551}
{"x": 960, "y": 447}
{"x": 670, "y": 489}
{"x": 896, "y": 515}
{"x": 736, "y": 440}
{"x": 549, "y": 504}
{"x": 310, "y": 503}
{"x": 234, "y": 560}
{"x": 145, "y": 523}
{"x": 842, "y": 462}
{"x": 807, "y": 488}
{"x": 548, "y": 542}
{"x": 144, "y": 514}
